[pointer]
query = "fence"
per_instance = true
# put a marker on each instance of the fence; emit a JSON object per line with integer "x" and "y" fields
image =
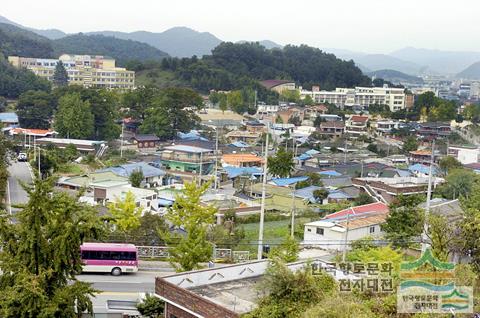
{"x": 223, "y": 254}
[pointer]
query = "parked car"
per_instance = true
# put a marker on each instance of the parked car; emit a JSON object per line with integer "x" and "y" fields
{"x": 22, "y": 156}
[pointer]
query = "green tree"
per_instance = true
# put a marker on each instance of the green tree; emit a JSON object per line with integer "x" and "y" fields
{"x": 308, "y": 100}
{"x": 60, "y": 77}
{"x": 136, "y": 178}
{"x": 223, "y": 104}
{"x": 235, "y": 102}
{"x": 470, "y": 226}
{"x": 172, "y": 111}
{"x": 188, "y": 214}
{"x": 291, "y": 96}
{"x": 281, "y": 164}
{"x": 148, "y": 231}
{"x": 74, "y": 118}
{"x": 70, "y": 152}
{"x": 151, "y": 307}
{"x": 287, "y": 251}
{"x": 5, "y": 146}
{"x": 125, "y": 213}
{"x": 320, "y": 194}
{"x": 40, "y": 255}
{"x": 3, "y": 104}
{"x": 363, "y": 198}
{"x": 138, "y": 101}
{"x": 35, "y": 109}
{"x": 459, "y": 182}
{"x": 410, "y": 144}
{"x": 442, "y": 236}
{"x": 288, "y": 293}
{"x": 449, "y": 163}
{"x": 404, "y": 221}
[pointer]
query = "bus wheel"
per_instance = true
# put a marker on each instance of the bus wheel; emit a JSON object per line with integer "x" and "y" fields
{"x": 116, "y": 271}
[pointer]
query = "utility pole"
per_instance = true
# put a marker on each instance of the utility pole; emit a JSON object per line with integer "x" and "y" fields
{"x": 292, "y": 226}
{"x": 429, "y": 196}
{"x": 121, "y": 143}
{"x": 39, "y": 171}
{"x": 216, "y": 158}
{"x": 345, "y": 150}
{"x": 346, "y": 239}
{"x": 262, "y": 207}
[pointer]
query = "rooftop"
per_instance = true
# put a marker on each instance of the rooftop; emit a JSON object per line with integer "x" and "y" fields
{"x": 127, "y": 169}
{"x": 185, "y": 148}
{"x": 8, "y": 118}
{"x": 139, "y": 137}
{"x": 377, "y": 207}
{"x": 269, "y": 84}
{"x": 238, "y": 158}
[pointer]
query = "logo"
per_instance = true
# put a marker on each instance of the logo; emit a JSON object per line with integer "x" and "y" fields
{"x": 427, "y": 285}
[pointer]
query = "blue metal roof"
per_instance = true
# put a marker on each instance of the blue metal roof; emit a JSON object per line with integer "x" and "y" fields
{"x": 288, "y": 181}
{"x": 192, "y": 135}
{"x": 127, "y": 169}
{"x": 307, "y": 193}
{"x": 312, "y": 152}
{"x": 422, "y": 169}
{"x": 330, "y": 173}
{"x": 339, "y": 195}
{"x": 240, "y": 144}
{"x": 234, "y": 172}
{"x": 304, "y": 156}
{"x": 9, "y": 117}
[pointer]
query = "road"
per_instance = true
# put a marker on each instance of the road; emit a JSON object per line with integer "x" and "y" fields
{"x": 127, "y": 289}
{"x": 18, "y": 172}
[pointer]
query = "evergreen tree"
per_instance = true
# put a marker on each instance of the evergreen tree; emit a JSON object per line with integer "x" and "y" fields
{"x": 60, "y": 77}
{"x": 187, "y": 251}
{"x": 40, "y": 255}
{"x": 74, "y": 118}
{"x": 281, "y": 165}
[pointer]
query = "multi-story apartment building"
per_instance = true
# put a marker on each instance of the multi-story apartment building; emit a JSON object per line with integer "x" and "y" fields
{"x": 394, "y": 98}
{"x": 86, "y": 70}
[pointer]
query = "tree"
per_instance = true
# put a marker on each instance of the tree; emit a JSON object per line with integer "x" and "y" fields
{"x": 320, "y": 194}
{"x": 235, "y": 102}
{"x": 287, "y": 251}
{"x": 308, "y": 100}
{"x": 291, "y": 96}
{"x": 60, "y": 77}
{"x": 404, "y": 221}
{"x": 35, "y": 109}
{"x": 74, "y": 118}
{"x": 223, "y": 104}
{"x": 281, "y": 164}
{"x": 151, "y": 307}
{"x": 470, "y": 226}
{"x": 172, "y": 111}
{"x": 363, "y": 198}
{"x": 5, "y": 146}
{"x": 189, "y": 216}
{"x": 459, "y": 182}
{"x": 449, "y": 163}
{"x": 138, "y": 101}
{"x": 136, "y": 178}
{"x": 148, "y": 231}
{"x": 289, "y": 293}
{"x": 125, "y": 213}
{"x": 3, "y": 104}
{"x": 40, "y": 255}
{"x": 442, "y": 234}
{"x": 410, "y": 144}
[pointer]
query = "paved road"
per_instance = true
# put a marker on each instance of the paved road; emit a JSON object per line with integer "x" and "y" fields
{"x": 125, "y": 288}
{"x": 19, "y": 172}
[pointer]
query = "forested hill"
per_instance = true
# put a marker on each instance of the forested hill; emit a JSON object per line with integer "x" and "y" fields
{"x": 121, "y": 50}
{"x": 16, "y": 41}
{"x": 232, "y": 66}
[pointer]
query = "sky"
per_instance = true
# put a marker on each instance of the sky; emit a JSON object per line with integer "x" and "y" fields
{"x": 371, "y": 26}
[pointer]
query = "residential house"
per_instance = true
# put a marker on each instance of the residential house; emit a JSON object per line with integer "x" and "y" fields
{"x": 385, "y": 127}
{"x": 254, "y": 126}
{"x": 241, "y": 160}
{"x": 289, "y": 114}
{"x": 267, "y": 110}
{"x": 312, "y": 112}
{"x": 146, "y": 141}
{"x": 433, "y": 130}
{"x": 332, "y": 128}
{"x": 421, "y": 170}
{"x": 347, "y": 225}
{"x": 84, "y": 181}
{"x": 248, "y": 137}
{"x": 8, "y": 119}
{"x": 152, "y": 176}
{"x": 465, "y": 154}
{"x": 423, "y": 157}
{"x": 356, "y": 125}
{"x": 187, "y": 162}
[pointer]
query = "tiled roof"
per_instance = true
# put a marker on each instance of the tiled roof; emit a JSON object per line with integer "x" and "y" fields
{"x": 127, "y": 169}
{"x": 237, "y": 158}
{"x": 356, "y": 210}
{"x": 36, "y": 132}
{"x": 364, "y": 220}
{"x": 184, "y": 148}
{"x": 146, "y": 138}
{"x": 359, "y": 118}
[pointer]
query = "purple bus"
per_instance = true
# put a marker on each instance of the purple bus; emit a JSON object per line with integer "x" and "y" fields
{"x": 109, "y": 258}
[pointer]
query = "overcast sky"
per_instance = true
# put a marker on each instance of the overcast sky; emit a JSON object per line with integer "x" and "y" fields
{"x": 374, "y": 26}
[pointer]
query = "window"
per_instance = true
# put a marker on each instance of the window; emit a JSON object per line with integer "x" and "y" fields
{"x": 372, "y": 229}
{"x": 109, "y": 255}
{"x": 309, "y": 230}
{"x": 319, "y": 231}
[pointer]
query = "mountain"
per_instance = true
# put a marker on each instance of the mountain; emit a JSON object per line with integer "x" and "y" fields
{"x": 471, "y": 72}
{"x": 48, "y": 33}
{"x": 121, "y": 50}
{"x": 266, "y": 43}
{"x": 444, "y": 62}
{"x": 382, "y": 62}
{"x": 17, "y": 41}
{"x": 395, "y": 77}
{"x": 178, "y": 41}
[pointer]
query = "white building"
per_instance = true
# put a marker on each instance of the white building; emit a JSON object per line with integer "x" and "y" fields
{"x": 465, "y": 154}
{"x": 364, "y": 97}
{"x": 346, "y": 226}
{"x": 386, "y": 126}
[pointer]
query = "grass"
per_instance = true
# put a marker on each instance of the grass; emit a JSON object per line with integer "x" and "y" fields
{"x": 71, "y": 169}
{"x": 273, "y": 234}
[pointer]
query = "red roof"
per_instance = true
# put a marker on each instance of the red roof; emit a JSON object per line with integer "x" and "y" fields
{"x": 32, "y": 132}
{"x": 358, "y": 118}
{"x": 378, "y": 207}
